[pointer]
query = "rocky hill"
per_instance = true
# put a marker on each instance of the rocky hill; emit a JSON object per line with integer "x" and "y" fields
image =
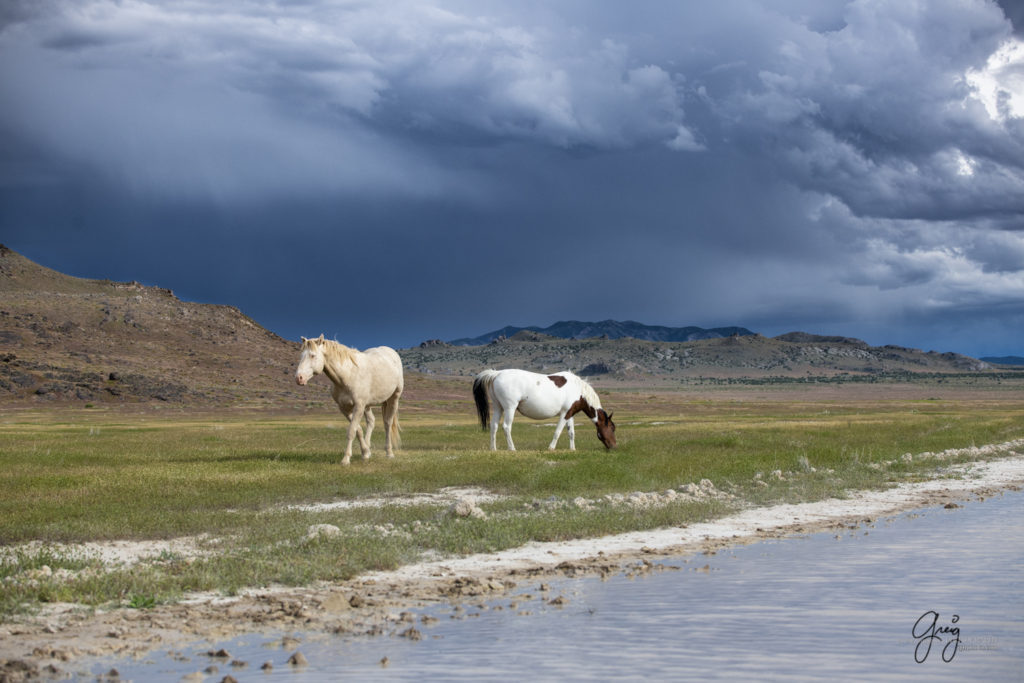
{"x": 793, "y": 355}
{"x": 97, "y": 341}
{"x": 608, "y": 329}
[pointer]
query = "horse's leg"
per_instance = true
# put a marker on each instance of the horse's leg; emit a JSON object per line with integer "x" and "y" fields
{"x": 496, "y": 411}
{"x": 353, "y": 421}
{"x": 572, "y": 433}
{"x": 389, "y": 410}
{"x": 353, "y": 429}
{"x": 364, "y": 438}
{"x": 558, "y": 432}
{"x": 506, "y": 423}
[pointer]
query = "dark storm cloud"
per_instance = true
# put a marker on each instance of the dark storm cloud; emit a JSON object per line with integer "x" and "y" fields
{"x": 435, "y": 169}
{"x": 1014, "y": 11}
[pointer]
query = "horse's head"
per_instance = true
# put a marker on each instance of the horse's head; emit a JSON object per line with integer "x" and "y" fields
{"x": 311, "y": 362}
{"x": 605, "y": 428}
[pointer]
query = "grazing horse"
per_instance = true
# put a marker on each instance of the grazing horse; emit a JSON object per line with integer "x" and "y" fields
{"x": 361, "y": 379}
{"x": 539, "y": 397}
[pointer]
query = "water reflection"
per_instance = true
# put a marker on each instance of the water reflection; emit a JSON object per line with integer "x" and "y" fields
{"x": 838, "y": 604}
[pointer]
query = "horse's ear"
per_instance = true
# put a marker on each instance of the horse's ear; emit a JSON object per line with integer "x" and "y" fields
{"x": 610, "y": 416}
{"x": 321, "y": 339}
{"x": 304, "y": 340}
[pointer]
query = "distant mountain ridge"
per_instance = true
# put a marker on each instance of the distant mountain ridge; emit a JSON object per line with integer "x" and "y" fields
{"x": 611, "y": 329}
{"x": 1004, "y": 360}
{"x": 795, "y": 356}
{"x": 69, "y": 339}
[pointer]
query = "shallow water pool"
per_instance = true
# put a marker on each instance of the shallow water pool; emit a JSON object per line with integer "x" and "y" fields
{"x": 934, "y": 594}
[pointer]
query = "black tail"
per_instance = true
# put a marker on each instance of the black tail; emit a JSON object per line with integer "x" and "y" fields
{"x": 480, "y": 395}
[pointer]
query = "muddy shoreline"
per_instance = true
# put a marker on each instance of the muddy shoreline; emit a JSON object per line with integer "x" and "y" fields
{"x": 49, "y": 644}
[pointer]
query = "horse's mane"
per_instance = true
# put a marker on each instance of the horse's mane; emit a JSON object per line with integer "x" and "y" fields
{"x": 588, "y": 393}
{"x": 337, "y": 351}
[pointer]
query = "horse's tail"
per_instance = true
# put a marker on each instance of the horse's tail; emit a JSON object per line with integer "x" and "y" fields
{"x": 481, "y": 387}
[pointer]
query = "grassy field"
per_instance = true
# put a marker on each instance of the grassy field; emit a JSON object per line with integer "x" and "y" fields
{"x": 77, "y": 475}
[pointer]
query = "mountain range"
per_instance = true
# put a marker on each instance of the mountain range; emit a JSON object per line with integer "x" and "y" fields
{"x": 95, "y": 342}
{"x": 608, "y": 329}
{"x": 1004, "y": 360}
{"x": 750, "y": 357}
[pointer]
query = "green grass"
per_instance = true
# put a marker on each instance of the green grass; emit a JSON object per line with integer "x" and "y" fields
{"x": 74, "y": 476}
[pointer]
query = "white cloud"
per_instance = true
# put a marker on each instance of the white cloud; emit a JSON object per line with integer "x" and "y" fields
{"x": 999, "y": 84}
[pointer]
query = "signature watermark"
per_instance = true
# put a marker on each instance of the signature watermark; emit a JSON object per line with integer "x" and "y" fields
{"x": 927, "y": 632}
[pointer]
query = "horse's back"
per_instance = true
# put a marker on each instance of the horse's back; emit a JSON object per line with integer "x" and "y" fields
{"x": 535, "y": 395}
{"x": 387, "y": 367}
{"x": 526, "y": 378}
{"x": 385, "y": 352}
{"x": 515, "y": 375}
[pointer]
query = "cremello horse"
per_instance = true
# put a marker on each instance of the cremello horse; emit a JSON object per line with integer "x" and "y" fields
{"x": 539, "y": 397}
{"x": 361, "y": 380}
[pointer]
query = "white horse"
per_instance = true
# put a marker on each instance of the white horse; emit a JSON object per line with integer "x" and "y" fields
{"x": 539, "y": 397}
{"x": 361, "y": 379}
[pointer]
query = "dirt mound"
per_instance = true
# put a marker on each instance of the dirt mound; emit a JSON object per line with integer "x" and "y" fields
{"x": 72, "y": 339}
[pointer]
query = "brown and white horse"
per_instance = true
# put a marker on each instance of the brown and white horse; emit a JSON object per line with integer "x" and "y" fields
{"x": 539, "y": 397}
{"x": 361, "y": 380}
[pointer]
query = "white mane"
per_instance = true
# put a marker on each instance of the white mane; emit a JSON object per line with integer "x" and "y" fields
{"x": 588, "y": 393}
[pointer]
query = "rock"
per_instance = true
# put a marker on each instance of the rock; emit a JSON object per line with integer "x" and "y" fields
{"x": 322, "y": 530}
{"x": 18, "y": 670}
{"x": 298, "y": 659}
{"x": 595, "y": 369}
{"x": 336, "y": 603}
{"x": 466, "y": 507}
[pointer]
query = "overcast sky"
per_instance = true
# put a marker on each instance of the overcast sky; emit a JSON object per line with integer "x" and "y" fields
{"x": 390, "y": 172}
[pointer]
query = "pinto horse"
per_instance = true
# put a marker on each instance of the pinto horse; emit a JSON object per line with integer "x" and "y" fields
{"x": 539, "y": 397}
{"x": 361, "y": 380}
